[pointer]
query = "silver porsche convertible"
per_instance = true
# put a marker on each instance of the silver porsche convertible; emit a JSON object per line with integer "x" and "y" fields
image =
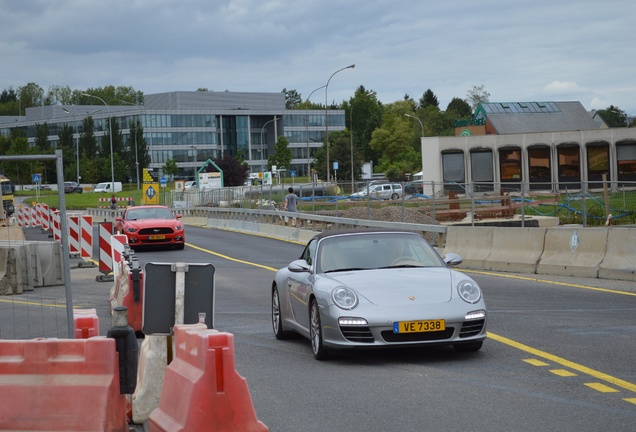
{"x": 372, "y": 288}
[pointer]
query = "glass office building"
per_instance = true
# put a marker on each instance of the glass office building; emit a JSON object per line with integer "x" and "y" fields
{"x": 192, "y": 127}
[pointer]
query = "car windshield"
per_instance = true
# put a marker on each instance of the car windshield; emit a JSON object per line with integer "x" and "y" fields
{"x": 375, "y": 251}
{"x": 149, "y": 213}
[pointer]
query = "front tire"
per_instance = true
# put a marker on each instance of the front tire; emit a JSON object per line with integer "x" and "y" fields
{"x": 315, "y": 332}
{"x": 394, "y": 196}
{"x": 277, "y": 319}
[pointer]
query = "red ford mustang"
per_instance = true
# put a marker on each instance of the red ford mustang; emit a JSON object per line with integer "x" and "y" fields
{"x": 151, "y": 225}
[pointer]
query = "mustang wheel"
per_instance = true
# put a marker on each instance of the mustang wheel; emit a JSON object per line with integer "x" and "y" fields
{"x": 315, "y": 332}
{"x": 277, "y": 320}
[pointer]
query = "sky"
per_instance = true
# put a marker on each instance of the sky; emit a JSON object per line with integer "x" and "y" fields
{"x": 520, "y": 51}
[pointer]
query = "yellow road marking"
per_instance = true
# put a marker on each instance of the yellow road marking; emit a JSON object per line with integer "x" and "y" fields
{"x": 531, "y": 279}
{"x": 630, "y": 400}
{"x": 566, "y": 363}
{"x": 535, "y": 362}
{"x": 562, "y": 372}
{"x": 601, "y": 387}
{"x": 232, "y": 259}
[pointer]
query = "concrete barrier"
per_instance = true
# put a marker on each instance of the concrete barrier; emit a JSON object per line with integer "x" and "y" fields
{"x": 13, "y": 233}
{"x": 516, "y": 249}
{"x": 573, "y": 251}
{"x": 473, "y": 244}
{"x": 619, "y": 262}
{"x": 8, "y": 272}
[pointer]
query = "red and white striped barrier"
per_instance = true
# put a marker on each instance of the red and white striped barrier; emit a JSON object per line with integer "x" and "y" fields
{"x": 105, "y": 249}
{"x": 57, "y": 229}
{"x": 117, "y": 243}
{"x": 119, "y": 200}
{"x": 86, "y": 235}
{"x": 45, "y": 218}
{"x": 74, "y": 234}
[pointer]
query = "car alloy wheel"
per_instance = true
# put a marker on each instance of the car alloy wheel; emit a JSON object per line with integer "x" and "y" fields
{"x": 315, "y": 330}
{"x": 277, "y": 320}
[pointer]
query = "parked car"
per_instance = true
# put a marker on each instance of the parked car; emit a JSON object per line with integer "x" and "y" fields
{"x": 190, "y": 184}
{"x": 72, "y": 187}
{"x": 151, "y": 225}
{"x": 373, "y": 288}
{"x": 106, "y": 187}
{"x": 380, "y": 191}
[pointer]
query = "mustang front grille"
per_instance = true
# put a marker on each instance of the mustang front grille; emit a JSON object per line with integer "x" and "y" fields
{"x": 357, "y": 334}
{"x": 471, "y": 328}
{"x": 155, "y": 231}
{"x": 389, "y": 336}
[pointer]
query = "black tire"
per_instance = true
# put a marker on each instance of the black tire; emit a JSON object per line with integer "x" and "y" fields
{"x": 315, "y": 332}
{"x": 277, "y": 319}
{"x": 468, "y": 346}
{"x": 394, "y": 196}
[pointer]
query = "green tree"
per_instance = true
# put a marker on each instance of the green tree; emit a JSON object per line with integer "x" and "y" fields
{"x": 67, "y": 145}
{"x": 292, "y": 99}
{"x": 282, "y": 155}
{"x": 18, "y": 171}
{"x": 363, "y": 114}
{"x": 459, "y": 108}
{"x": 31, "y": 95}
{"x": 170, "y": 168}
{"x": 614, "y": 116}
{"x": 340, "y": 151}
{"x": 235, "y": 171}
{"x": 429, "y": 99}
{"x": 88, "y": 141}
{"x": 137, "y": 150}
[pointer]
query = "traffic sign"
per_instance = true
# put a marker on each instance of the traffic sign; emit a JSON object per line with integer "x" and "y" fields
{"x": 163, "y": 182}
{"x": 36, "y": 178}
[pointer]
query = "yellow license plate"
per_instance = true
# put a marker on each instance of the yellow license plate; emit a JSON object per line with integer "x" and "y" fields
{"x": 418, "y": 326}
{"x": 157, "y": 237}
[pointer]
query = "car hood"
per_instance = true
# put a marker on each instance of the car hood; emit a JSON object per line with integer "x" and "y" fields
{"x": 145, "y": 223}
{"x": 388, "y": 287}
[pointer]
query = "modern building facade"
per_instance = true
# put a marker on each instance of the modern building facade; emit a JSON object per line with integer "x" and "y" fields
{"x": 193, "y": 127}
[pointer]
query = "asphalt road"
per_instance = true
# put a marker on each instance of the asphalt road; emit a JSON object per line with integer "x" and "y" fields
{"x": 559, "y": 357}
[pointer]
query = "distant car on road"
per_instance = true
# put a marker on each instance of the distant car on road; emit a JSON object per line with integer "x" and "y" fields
{"x": 191, "y": 184}
{"x": 72, "y": 187}
{"x": 151, "y": 225}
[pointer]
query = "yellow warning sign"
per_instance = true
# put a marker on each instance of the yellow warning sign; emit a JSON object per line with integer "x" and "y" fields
{"x": 150, "y": 193}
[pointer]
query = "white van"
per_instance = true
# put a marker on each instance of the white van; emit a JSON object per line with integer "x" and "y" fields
{"x": 106, "y": 187}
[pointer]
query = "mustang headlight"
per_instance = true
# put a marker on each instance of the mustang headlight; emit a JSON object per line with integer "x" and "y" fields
{"x": 131, "y": 229}
{"x": 344, "y": 298}
{"x": 469, "y": 291}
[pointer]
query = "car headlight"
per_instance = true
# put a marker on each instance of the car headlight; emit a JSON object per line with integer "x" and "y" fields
{"x": 131, "y": 230}
{"x": 344, "y": 298}
{"x": 469, "y": 291}
{"x": 178, "y": 227}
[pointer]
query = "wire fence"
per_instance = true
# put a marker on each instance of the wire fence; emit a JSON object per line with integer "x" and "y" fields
{"x": 584, "y": 203}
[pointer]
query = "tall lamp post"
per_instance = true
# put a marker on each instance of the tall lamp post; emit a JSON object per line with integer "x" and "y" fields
{"x": 77, "y": 143}
{"x": 110, "y": 135}
{"x": 262, "y": 142}
{"x": 327, "y": 114}
{"x": 307, "y": 132}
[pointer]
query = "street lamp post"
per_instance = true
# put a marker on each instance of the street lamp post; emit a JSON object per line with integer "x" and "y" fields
{"x": 327, "y": 114}
{"x": 136, "y": 156}
{"x": 110, "y": 135}
{"x": 262, "y": 142}
{"x": 307, "y": 131}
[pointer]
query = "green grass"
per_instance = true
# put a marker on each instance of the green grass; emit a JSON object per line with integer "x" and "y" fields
{"x": 75, "y": 201}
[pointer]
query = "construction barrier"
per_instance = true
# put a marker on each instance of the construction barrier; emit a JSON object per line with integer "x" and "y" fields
{"x": 74, "y": 234}
{"x": 473, "y": 244}
{"x": 516, "y": 250}
{"x": 85, "y": 323}
{"x": 618, "y": 262}
{"x": 86, "y": 235}
{"x": 127, "y": 291}
{"x": 573, "y": 252}
{"x": 121, "y": 202}
{"x": 61, "y": 385}
{"x": 105, "y": 249}
{"x": 202, "y": 390}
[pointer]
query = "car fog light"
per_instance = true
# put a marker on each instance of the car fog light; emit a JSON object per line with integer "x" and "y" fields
{"x": 476, "y": 315}
{"x": 352, "y": 321}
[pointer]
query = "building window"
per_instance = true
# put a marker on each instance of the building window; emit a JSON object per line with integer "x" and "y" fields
{"x": 482, "y": 172}
{"x": 569, "y": 166}
{"x": 540, "y": 168}
{"x": 453, "y": 172}
{"x": 597, "y": 164}
{"x": 510, "y": 164}
{"x": 626, "y": 158}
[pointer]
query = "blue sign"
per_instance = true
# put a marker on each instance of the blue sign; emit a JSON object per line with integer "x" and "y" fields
{"x": 163, "y": 182}
{"x": 36, "y": 178}
{"x": 292, "y": 173}
{"x": 150, "y": 192}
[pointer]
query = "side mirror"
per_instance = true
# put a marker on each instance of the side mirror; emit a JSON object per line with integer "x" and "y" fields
{"x": 452, "y": 259}
{"x": 299, "y": 266}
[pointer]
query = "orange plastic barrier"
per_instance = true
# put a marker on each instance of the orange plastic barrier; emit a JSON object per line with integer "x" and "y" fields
{"x": 202, "y": 391}
{"x": 61, "y": 385}
{"x": 86, "y": 323}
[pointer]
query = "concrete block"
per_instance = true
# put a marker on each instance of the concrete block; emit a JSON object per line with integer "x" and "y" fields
{"x": 516, "y": 249}
{"x": 620, "y": 258}
{"x": 573, "y": 251}
{"x": 473, "y": 244}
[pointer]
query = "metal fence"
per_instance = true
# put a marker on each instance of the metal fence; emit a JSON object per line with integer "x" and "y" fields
{"x": 584, "y": 203}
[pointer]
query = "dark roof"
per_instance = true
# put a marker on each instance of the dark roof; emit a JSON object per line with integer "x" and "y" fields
{"x": 534, "y": 117}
